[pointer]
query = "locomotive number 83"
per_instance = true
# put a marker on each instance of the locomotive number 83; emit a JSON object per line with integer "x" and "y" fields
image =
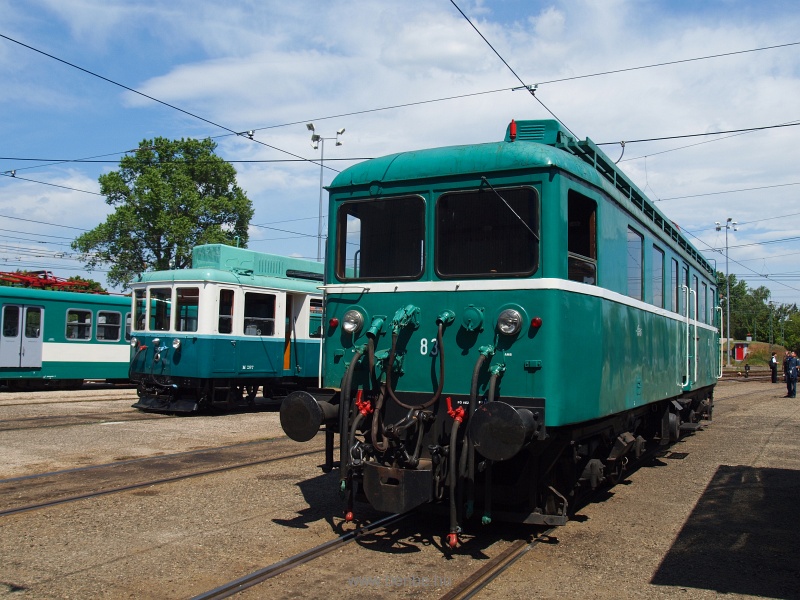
{"x": 506, "y": 325}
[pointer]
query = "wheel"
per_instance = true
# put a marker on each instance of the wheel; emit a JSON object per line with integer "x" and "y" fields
{"x": 674, "y": 427}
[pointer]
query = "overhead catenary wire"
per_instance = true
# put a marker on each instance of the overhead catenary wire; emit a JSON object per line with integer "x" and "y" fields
{"x": 530, "y": 89}
{"x": 154, "y": 99}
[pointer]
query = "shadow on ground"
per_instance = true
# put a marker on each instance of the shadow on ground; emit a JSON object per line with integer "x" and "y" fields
{"x": 742, "y": 537}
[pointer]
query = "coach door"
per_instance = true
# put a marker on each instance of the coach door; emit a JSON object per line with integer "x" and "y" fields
{"x": 21, "y": 339}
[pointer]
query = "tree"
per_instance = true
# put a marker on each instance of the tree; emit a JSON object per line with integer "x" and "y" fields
{"x": 169, "y": 196}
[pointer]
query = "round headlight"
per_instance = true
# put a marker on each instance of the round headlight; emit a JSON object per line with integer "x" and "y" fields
{"x": 134, "y": 342}
{"x": 176, "y": 343}
{"x": 509, "y": 322}
{"x": 352, "y": 321}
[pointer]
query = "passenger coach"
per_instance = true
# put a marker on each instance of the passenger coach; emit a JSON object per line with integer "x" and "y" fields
{"x": 506, "y": 325}
{"x": 59, "y": 339}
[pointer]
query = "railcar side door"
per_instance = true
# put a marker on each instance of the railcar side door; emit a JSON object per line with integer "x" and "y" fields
{"x": 31, "y": 355}
{"x": 21, "y": 339}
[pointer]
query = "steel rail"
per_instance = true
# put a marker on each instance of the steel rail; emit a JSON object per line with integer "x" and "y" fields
{"x": 482, "y": 577}
{"x": 41, "y": 422}
{"x": 133, "y": 486}
{"x": 247, "y": 581}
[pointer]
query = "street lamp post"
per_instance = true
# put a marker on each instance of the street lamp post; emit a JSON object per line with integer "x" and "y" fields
{"x": 770, "y": 327}
{"x": 728, "y": 225}
{"x": 317, "y": 141}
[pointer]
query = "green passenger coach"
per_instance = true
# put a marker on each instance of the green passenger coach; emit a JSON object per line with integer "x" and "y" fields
{"x": 237, "y": 321}
{"x": 58, "y": 339}
{"x": 506, "y": 325}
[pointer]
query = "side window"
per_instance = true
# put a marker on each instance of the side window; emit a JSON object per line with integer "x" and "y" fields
{"x": 11, "y": 321}
{"x": 696, "y": 306}
{"x": 684, "y": 282}
{"x": 676, "y": 287}
{"x": 702, "y": 298}
{"x": 259, "y": 314}
{"x": 315, "y": 318}
{"x": 581, "y": 238}
{"x": 33, "y": 323}
{"x": 634, "y": 264}
{"x": 658, "y": 276}
{"x": 109, "y": 325}
{"x": 139, "y": 309}
{"x": 225, "y": 324}
{"x": 160, "y": 309}
{"x": 187, "y": 301}
{"x": 128, "y": 326}
{"x": 79, "y": 324}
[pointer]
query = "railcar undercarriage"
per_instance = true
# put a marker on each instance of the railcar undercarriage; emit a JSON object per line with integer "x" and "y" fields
{"x": 495, "y": 460}
{"x": 191, "y": 395}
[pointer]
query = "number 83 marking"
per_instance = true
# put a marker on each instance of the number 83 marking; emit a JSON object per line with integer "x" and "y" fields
{"x": 429, "y": 348}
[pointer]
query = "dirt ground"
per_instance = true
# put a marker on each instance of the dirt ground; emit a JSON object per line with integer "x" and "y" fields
{"x": 716, "y": 515}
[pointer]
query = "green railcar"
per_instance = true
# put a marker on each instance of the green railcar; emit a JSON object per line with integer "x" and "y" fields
{"x": 235, "y": 323}
{"x": 506, "y": 323}
{"x": 55, "y": 339}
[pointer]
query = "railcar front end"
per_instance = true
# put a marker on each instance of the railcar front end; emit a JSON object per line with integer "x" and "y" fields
{"x": 506, "y": 326}
{"x": 213, "y": 335}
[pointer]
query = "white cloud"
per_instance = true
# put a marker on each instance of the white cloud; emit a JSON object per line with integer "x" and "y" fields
{"x": 259, "y": 64}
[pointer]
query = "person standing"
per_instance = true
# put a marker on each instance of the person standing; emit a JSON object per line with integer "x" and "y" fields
{"x": 773, "y": 366}
{"x": 786, "y": 370}
{"x": 791, "y": 375}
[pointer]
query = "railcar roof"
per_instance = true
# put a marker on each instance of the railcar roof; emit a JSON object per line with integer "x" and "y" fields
{"x": 76, "y": 297}
{"x": 201, "y": 276}
{"x": 539, "y": 144}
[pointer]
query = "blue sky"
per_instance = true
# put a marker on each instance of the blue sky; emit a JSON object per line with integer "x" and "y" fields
{"x": 259, "y": 65}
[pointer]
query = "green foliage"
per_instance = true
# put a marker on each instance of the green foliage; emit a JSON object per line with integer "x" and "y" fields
{"x": 753, "y": 314}
{"x": 169, "y": 196}
{"x": 87, "y": 285}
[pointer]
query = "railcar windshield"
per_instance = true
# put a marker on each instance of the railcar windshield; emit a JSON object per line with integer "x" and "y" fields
{"x": 487, "y": 233}
{"x": 381, "y": 239}
{"x": 188, "y": 301}
{"x": 160, "y": 309}
{"x": 139, "y": 309}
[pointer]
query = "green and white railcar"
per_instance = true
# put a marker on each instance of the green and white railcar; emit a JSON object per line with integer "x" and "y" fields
{"x": 59, "y": 339}
{"x": 235, "y": 322}
{"x": 505, "y": 322}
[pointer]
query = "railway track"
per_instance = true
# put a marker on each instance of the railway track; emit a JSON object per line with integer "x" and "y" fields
{"x": 252, "y": 579}
{"x": 488, "y": 572}
{"x": 35, "y": 492}
{"x": 48, "y": 422}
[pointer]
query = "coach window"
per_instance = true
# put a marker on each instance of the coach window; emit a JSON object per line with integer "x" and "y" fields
{"x": 658, "y": 276}
{"x": 259, "y": 314}
{"x": 11, "y": 321}
{"x": 696, "y": 289}
{"x": 79, "y": 324}
{"x": 492, "y": 232}
{"x": 139, "y": 309}
{"x": 315, "y": 318}
{"x": 684, "y": 282}
{"x": 381, "y": 239}
{"x": 581, "y": 238}
{"x": 187, "y": 300}
{"x": 676, "y": 287}
{"x": 109, "y": 325}
{"x": 160, "y": 309}
{"x": 33, "y": 322}
{"x": 225, "y": 311}
{"x": 634, "y": 264}
{"x": 703, "y": 303}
